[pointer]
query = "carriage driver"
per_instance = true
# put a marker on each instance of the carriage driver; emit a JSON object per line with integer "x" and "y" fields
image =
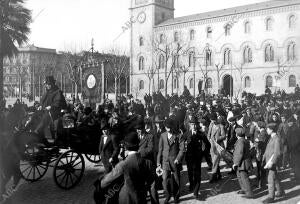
{"x": 53, "y": 101}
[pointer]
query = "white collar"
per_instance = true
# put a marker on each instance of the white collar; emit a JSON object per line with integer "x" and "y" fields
{"x": 131, "y": 152}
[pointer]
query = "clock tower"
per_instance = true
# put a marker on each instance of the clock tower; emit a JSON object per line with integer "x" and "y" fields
{"x": 144, "y": 16}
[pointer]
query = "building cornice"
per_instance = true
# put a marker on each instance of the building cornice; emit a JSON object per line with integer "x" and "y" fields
{"x": 152, "y": 4}
{"x": 227, "y": 17}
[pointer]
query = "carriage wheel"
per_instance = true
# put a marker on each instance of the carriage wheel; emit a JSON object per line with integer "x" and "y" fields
{"x": 68, "y": 169}
{"x": 34, "y": 163}
{"x": 93, "y": 158}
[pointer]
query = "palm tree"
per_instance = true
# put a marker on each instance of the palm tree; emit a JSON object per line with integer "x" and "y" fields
{"x": 14, "y": 30}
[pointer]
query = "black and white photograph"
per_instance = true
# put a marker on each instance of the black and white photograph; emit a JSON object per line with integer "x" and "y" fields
{"x": 149, "y": 101}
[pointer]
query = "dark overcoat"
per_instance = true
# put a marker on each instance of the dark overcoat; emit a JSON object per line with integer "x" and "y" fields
{"x": 54, "y": 98}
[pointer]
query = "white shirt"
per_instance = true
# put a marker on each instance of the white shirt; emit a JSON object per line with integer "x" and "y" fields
{"x": 169, "y": 135}
{"x": 131, "y": 152}
{"x": 104, "y": 139}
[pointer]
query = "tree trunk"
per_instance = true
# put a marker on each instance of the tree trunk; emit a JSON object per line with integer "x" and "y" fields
{"x": 149, "y": 86}
{"x": 172, "y": 83}
{"x": 116, "y": 89}
{"x": 184, "y": 79}
{"x": 126, "y": 85}
{"x": 1, "y": 62}
{"x": 119, "y": 81}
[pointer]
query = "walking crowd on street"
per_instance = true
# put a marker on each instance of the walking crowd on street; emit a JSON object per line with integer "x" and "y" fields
{"x": 143, "y": 146}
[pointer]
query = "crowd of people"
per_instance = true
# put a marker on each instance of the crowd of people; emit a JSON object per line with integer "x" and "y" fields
{"x": 148, "y": 143}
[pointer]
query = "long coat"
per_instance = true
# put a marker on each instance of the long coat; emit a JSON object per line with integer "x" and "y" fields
{"x": 146, "y": 147}
{"x": 273, "y": 148}
{"x": 110, "y": 149}
{"x": 169, "y": 151}
{"x": 54, "y": 98}
{"x": 138, "y": 174}
{"x": 241, "y": 155}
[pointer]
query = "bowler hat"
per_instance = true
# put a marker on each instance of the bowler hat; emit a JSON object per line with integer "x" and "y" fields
{"x": 213, "y": 116}
{"x": 131, "y": 140}
{"x": 49, "y": 80}
{"x": 240, "y": 132}
{"x": 169, "y": 123}
{"x": 140, "y": 124}
{"x": 104, "y": 124}
{"x": 272, "y": 126}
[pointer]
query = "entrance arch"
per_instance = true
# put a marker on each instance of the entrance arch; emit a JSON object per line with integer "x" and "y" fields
{"x": 228, "y": 85}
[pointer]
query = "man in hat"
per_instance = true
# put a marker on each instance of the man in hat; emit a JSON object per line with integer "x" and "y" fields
{"x": 242, "y": 163}
{"x": 271, "y": 158}
{"x": 138, "y": 173}
{"x": 170, "y": 155}
{"x": 260, "y": 138}
{"x": 146, "y": 150}
{"x": 282, "y": 131}
{"x": 53, "y": 102}
{"x": 216, "y": 135}
{"x": 193, "y": 156}
{"x": 109, "y": 147}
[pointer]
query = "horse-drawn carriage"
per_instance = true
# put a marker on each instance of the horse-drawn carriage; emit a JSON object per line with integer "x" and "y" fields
{"x": 65, "y": 156}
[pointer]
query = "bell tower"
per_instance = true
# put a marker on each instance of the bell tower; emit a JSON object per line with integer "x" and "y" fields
{"x": 144, "y": 15}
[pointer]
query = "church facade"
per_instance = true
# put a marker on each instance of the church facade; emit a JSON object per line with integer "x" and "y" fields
{"x": 244, "y": 48}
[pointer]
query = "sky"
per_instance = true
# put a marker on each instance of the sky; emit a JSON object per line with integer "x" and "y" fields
{"x": 70, "y": 25}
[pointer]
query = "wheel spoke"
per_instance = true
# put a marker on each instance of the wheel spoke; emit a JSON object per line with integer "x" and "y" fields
{"x": 29, "y": 173}
{"x": 25, "y": 169}
{"x": 37, "y": 169}
{"x": 33, "y": 172}
{"x": 43, "y": 166}
{"x": 63, "y": 178}
{"x": 71, "y": 179}
{"x": 77, "y": 163}
{"x": 67, "y": 179}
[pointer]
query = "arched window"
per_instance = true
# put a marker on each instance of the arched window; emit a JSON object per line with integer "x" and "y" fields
{"x": 227, "y": 56}
{"x": 247, "y": 82}
{"x": 161, "y": 84}
{"x": 208, "y": 84}
{"x": 141, "y": 41}
{"x": 161, "y": 62}
{"x": 191, "y": 59}
{"x": 227, "y": 29}
{"x": 269, "y": 53}
{"x": 291, "y": 55}
{"x": 192, "y": 34}
{"x": 175, "y": 83}
{"x": 247, "y": 27}
{"x": 269, "y": 81}
{"x": 247, "y": 55}
{"x": 208, "y": 59}
{"x": 161, "y": 38}
{"x": 208, "y": 32}
{"x": 141, "y": 85}
{"x": 292, "y": 81}
{"x": 141, "y": 63}
{"x": 176, "y": 36}
{"x": 269, "y": 24}
{"x": 292, "y": 21}
{"x": 191, "y": 83}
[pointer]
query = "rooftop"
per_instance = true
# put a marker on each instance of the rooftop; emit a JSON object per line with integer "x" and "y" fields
{"x": 32, "y": 48}
{"x": 230, "y": 11}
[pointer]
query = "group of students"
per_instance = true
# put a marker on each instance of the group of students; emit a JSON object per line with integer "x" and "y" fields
{"x": 263, "y": 130}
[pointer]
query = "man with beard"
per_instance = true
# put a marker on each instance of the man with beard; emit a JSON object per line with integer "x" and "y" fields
{"x": 170, "y": 155}
{"x": 194, "y": 153}
{"x": 53, "y": 102}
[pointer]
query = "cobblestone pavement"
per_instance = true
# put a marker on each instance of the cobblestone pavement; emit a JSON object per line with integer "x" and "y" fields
{"x": 46, "y": 192}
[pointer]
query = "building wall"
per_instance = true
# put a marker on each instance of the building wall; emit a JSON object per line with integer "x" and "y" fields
{"x": 257, "y": 39}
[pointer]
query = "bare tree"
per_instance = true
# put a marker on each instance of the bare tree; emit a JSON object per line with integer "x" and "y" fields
{"x": 119, "y": 63}
{"x": 240, "y": 71}
{"x": 150, "y": 72}
{"x": 171, "y": 51}
{"x": 73, "y": 63}
{"x": 205, "y": 71}
{"x": 184, "y": 70}
{"x": 219, "y": 71}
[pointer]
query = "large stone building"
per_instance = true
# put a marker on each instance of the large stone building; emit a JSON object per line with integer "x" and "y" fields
{"x": 238, "y": 49}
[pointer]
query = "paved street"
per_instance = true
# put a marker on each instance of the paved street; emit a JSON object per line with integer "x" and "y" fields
{"x": 46, "y": 192}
